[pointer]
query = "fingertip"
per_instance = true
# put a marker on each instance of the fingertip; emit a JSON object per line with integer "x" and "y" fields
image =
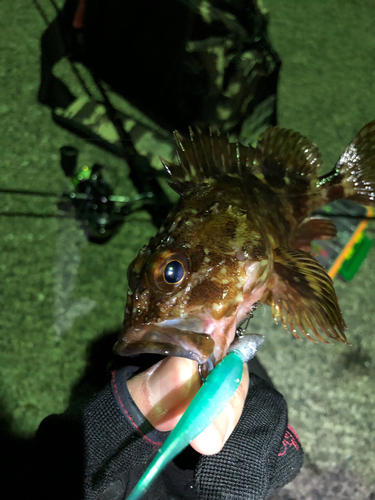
{"x": 209, "y": 442}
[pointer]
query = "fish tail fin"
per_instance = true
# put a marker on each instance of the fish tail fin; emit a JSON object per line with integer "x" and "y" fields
{"x": 353, "y": 177}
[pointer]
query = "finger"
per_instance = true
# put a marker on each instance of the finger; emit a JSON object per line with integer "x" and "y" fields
{"x": 213, "y": 438}
{"x": 164, "y": 391}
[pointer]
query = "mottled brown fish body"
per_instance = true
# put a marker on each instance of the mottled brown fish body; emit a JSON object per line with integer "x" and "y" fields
{"x": 239, "y": 236}
{"x": 215, "y": 211}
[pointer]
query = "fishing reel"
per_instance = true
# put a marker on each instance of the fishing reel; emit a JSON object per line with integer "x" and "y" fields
{"x": 101, "y": 212}
{"x": 93, "y": 199}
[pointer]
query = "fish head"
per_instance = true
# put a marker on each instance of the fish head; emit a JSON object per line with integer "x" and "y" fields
{"x": 195, "y": 280}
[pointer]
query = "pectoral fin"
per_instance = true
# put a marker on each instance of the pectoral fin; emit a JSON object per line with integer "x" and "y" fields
{"x": 313, "y": 229}
{"x": 302, "y": 296}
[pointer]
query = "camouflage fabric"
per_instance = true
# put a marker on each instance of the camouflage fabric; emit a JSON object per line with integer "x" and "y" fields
{"x": 240, "y": 65}
{"x": 91, "y": 118}
{"x": 226, "y": 77}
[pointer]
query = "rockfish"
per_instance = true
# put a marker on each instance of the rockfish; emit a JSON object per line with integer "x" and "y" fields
{"x": 239, "y": 236}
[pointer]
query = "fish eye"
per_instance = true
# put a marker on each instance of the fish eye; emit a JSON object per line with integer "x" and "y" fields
{"x": 174, "y": 272}
{"x": 168, "y": 269}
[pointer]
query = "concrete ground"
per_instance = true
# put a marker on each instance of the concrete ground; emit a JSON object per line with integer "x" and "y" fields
{"x": 59, "y": 293}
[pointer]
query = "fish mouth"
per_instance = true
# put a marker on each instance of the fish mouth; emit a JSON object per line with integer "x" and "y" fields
{"x": 166, "y": 340}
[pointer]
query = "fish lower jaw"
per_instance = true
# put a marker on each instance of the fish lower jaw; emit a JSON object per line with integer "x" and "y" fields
{"x": 165, "y": 340}
{"x": 201, "y": 339}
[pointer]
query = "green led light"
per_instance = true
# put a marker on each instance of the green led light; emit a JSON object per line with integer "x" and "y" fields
{"x": 82, "y": 175}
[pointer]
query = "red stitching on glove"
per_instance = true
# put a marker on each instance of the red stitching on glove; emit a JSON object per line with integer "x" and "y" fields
{"x": 290, "y": 439}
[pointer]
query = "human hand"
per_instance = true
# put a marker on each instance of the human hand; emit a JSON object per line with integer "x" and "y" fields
{"x": 164, "y": 391}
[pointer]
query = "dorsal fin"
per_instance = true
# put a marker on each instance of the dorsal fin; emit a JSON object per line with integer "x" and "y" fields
{"x": 283, "y": 159}
{"x": 206, "y": 156}
{"x": 288, "y": 162}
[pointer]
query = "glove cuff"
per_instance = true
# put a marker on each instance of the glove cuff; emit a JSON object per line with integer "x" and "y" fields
{"x": 129, "y": 408}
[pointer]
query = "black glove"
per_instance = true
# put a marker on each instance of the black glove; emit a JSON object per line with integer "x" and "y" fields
{"x": 262, "y": 454}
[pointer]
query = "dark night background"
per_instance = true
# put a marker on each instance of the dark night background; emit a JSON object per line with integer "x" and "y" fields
{"x": 59, "y": 292}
